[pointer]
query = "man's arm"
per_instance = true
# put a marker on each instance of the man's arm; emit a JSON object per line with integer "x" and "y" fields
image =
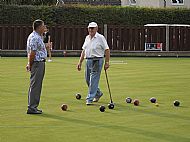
{"x": 81, "y": 60}
{"x": 48, "y": 45}
{"x": 49, "y": 39}
{"x": 107, "y": 53}
{"x": 31, "y": 57}
{"x": 107, "y": 59}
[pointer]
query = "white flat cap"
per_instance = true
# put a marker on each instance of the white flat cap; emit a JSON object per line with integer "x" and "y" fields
{"x": 92, "y": 25}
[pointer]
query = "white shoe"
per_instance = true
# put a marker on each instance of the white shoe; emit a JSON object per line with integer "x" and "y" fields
{"x": 88, "y": 103}
{"x": 49, "y": 60}
{"x": 96, "y": 99}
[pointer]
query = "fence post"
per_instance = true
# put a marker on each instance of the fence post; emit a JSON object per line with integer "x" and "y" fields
{"x": 167, "y": 38}
{"x": 106, "y": 31}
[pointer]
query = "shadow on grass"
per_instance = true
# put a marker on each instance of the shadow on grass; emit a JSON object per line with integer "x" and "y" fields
{"x": 131, "y": 107}
{"x": 151, "y": 134}
{"x": 162, "y": 114}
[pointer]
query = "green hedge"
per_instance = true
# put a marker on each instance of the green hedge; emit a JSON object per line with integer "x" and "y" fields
{"x": 53, "y": 2}
{"x": 82, "y": 14}
{"x": 27, "y": 2}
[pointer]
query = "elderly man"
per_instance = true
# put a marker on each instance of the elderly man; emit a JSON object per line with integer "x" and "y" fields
{"x": 36, "y": 65}
{"x": 94, "y": 49}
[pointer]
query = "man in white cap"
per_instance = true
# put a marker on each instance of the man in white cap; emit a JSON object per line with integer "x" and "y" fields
{"x": 94, "y": 49}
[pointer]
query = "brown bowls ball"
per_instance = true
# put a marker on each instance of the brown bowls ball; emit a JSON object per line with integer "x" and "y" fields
{"x": 64, "y": 107}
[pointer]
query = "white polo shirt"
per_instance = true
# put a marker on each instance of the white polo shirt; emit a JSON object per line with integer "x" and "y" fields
{"x": 95, "y": 47}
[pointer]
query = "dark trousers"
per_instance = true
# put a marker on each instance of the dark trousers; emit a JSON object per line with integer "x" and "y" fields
{"x": 36, "y": 79}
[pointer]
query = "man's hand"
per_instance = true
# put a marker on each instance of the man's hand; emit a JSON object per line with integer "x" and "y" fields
{"x": 28, "y": 67}
{"x": 31, "y": 57}
{"x": 106, "y": 66}
{"x": 107, "y": 59}
{"x": 48, "y": 45}
{"x": 79, "y": 66}
{"x": 51, "y": 45}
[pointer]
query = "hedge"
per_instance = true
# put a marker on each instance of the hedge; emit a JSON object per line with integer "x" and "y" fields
{"x": 82, "y": 14}
{"x": 27, "y": 2}
{"x": 53, "y": 2}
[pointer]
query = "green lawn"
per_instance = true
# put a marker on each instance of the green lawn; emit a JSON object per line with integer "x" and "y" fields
{"x": 167, "y": 79}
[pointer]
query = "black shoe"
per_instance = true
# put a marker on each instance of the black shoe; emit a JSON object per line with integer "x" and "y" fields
{"x": 39, "y": 110}
{"x": 33, "y": 111}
